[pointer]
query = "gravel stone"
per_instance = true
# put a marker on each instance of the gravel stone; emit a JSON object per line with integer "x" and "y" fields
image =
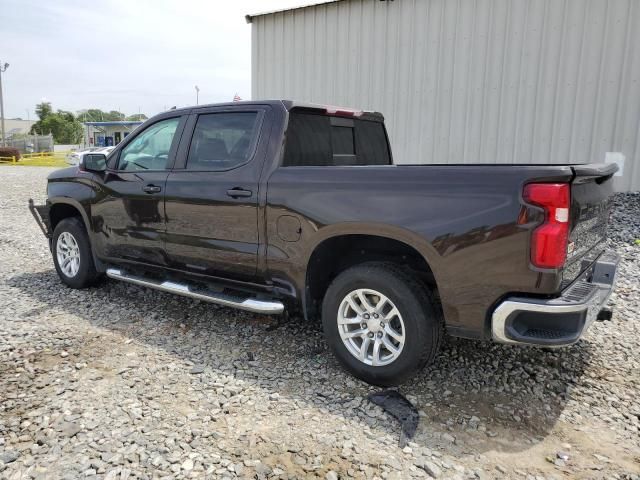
{"x": 448, "y": 437}
{"x": 187, "y": 465}
{"x": 9, "y": 456}
{"x": 432, "y": 469}
{"x": 119, "y": 381}
{"x": 331, "y": 475}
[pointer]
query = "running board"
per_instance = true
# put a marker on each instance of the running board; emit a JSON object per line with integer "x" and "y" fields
{"x": 249, "y": 304}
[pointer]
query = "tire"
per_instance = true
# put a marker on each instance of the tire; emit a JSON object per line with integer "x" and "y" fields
{"x": 70, "y": 232}
{"x": 420, "y": 321}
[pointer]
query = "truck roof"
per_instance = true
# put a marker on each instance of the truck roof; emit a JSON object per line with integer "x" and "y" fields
{"x": 293, "y": 104}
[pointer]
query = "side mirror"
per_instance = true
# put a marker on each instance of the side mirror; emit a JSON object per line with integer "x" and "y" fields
{"x": 94, "y": 162}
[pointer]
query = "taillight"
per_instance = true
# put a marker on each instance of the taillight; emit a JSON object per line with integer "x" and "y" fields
{"x": 549, "y": 240}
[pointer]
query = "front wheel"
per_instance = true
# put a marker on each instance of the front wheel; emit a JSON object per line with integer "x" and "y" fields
{"x": 381, "y": 323}
{"x": 72, "y": 255}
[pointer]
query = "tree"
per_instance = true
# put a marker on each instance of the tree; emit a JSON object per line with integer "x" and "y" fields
{"x": 137, "y": 117}
{"x": 114, "y": 115}
{"x": 43, "y": 110}
{"x": 91, "y": 115}
{"x": 97, "y": 115}
{"x": 63, "y": 125}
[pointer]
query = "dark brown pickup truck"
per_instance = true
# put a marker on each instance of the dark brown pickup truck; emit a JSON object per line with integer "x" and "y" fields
{"x": 278, "y": 206}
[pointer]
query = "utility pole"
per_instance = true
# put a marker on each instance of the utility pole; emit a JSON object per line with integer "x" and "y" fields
{"x": 3, "y": 68}
{"x": 197, "y": 94}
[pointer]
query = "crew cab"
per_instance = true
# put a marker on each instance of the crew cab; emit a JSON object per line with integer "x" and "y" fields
{"x": 284, "y": 207}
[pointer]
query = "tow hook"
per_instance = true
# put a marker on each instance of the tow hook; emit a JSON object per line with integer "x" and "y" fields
{"x": 605, "y": 314}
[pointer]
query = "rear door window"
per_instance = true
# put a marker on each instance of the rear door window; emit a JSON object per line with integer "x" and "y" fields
{"x": 222, "y": 141}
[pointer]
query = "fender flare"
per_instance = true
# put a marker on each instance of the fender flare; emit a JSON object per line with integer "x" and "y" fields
{"x": 391, "y": 232}
{"x": 85, "y": 219}
{"x": 74, "y": 203}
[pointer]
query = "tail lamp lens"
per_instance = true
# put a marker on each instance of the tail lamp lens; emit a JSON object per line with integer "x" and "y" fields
{"x": 549, "y": 240}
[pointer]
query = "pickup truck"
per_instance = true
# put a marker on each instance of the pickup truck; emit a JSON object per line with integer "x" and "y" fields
{"x": 285, "y": 207}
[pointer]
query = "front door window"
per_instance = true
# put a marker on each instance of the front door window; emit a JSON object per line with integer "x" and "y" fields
{"x": 150, "y": 149}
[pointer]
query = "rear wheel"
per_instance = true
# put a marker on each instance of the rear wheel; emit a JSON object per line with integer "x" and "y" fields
{"x": 72, "y": 255}
{"x": 381, "y": 323}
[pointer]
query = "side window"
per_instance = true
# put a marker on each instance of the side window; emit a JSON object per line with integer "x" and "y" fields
{"x": 150, "y": 149}
{"x": 322, "y": 140}
{"x": 222, "y": 141}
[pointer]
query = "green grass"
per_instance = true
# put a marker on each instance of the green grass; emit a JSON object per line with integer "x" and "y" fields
{"x": 56, "y": 160}
{"x": 49, "y": 161}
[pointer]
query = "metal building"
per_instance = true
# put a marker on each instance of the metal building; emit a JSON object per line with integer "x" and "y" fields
{"x": 108, "y": 134}
{"x": 468, "y": 81}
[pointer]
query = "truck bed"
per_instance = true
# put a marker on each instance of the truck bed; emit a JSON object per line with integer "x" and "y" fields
{"x": 464, "y": 219}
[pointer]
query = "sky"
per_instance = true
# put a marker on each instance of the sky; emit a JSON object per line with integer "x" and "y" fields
{"x": 131, "y": 56}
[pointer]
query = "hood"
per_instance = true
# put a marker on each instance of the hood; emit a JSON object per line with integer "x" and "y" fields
{"x": 69, "y": 172}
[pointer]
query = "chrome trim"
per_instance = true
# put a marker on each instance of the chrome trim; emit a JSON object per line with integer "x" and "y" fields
{"x": 593, "y": 303}
{"x": 268, "y": 307}
{"x": 506, "y": 308}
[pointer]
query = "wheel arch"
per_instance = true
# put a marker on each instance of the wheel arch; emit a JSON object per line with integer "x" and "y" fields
{"x": 347, "y": 245}
{"x": 64, "y": 207}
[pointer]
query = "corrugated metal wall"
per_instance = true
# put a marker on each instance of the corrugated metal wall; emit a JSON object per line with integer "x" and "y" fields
{"x": 469, "y": 81}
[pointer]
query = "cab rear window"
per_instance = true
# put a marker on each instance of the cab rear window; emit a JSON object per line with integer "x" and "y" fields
{"x": 323, "y": 140}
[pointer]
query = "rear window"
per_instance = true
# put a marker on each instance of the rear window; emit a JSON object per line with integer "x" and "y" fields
{"x": 322, "y": 140}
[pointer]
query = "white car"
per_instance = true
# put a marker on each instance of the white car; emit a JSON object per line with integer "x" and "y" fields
{"x": 74, "y": 158}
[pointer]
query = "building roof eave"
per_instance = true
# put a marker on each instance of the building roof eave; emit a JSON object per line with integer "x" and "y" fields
{"x": 249, "y": 18}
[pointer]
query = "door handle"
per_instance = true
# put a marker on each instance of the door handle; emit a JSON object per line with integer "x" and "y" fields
{"x": 151, "y": 189}
{"x": 239, "y": 192}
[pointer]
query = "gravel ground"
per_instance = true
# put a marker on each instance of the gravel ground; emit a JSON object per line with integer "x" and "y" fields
{"x": 122, "y": 382}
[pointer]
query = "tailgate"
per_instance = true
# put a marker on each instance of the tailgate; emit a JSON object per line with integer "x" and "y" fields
{"x": 591, "y": 191}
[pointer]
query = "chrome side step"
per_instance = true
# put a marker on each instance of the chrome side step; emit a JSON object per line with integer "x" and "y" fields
{"x": 249, "y": 304}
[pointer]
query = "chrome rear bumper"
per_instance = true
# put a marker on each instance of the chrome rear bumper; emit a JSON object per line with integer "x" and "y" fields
{"x": 558, "y": 321}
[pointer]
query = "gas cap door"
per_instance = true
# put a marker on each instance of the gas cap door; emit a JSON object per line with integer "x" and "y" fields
{"x": 289, "y": 228}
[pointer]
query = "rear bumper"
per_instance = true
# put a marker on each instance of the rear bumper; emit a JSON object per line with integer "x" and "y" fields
{"x": 558, "y": 321}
